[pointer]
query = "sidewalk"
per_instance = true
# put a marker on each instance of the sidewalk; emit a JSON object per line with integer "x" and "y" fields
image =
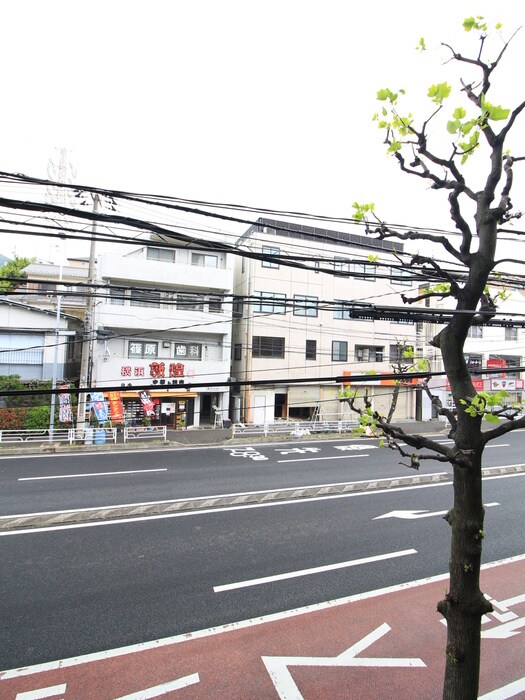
{"x": 201, "y": 437}
{"x": 383, "y": 644}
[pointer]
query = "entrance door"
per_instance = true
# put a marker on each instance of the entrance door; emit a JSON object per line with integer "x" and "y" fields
{"x": 259, "y": 408}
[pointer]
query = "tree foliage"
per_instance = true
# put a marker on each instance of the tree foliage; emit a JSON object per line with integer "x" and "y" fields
{"x": 11, "y": 272}
{"x": 463, "y": 129}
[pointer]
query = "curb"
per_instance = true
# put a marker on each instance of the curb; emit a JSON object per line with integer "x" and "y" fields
{"x": 53, "y": 519}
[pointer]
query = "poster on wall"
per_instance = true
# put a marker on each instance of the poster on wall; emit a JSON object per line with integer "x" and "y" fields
{"x": 147, "y": 404}
{"x": 65, "y": 414}
{"x": 116, "y": 410}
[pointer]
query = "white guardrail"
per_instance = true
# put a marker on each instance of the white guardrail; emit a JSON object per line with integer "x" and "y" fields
{"x": 294, "y": 428}
{"x": 87, "y": 436}
{"x": 83, "y": 436}
{"x": 153, "y": 432}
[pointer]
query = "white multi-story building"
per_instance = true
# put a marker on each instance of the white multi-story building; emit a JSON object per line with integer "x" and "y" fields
{"x": 162, "y": 320}
{"x": 294, "y": 323}
{"x": 153, "y": 316}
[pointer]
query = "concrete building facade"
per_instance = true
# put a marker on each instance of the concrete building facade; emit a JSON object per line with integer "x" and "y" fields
{"x": 295, "y": 323}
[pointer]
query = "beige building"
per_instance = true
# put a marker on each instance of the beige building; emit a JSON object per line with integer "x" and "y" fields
{"x": 315, "y": 321}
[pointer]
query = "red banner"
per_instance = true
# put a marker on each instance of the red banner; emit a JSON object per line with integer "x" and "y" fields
{"x": 65, "y": 414}
{"x": 147, "y": 404}
{"x": 115, "y": 407}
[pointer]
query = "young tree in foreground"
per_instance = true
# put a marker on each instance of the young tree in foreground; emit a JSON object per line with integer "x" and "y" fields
{"x": 478, "y": 130}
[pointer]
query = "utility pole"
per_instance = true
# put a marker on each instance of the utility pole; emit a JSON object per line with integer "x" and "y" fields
{"x": 55, "y": 359}
{"x": 89, "y": 325}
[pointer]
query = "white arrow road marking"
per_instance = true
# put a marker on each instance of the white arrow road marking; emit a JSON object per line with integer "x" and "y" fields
{"x": 163, "y": 689}
{"x": 508, "y": 629}
{"x": 508, "y": 691}
{"x": 417, "y": 514}
{"x": 277, "y": 666}
{"x": 49, "y": 692}
{"x": 314, "y": 570}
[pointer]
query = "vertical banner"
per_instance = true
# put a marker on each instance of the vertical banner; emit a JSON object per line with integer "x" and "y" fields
{"x": 116, "y": 409}
{"x": 147, "y": 404}
{"x": 99, "y": 406}
{"x": 65, "y": 415}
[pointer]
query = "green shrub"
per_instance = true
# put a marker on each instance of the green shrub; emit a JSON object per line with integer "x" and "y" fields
{"x": 37, "y": 418}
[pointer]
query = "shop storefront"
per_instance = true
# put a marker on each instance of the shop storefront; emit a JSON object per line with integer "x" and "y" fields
{"x": 174, "y": 409}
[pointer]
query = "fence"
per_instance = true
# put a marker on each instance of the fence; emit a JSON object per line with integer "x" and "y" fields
{"x": 86, "y": 436}
{"x": 153, "y": 432}
{"x": 294, "y": 428}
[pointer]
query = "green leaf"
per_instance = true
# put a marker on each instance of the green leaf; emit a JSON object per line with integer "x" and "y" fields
{"x": 459, "y": 113}
{"x": 491, "y": 418}
{"x": 453, "y": 126}
{"x": 394, "y": 147}
{"x": 439, "y": 92}
{"x": 387, "y": 95}
{"x": 421, "y": 45}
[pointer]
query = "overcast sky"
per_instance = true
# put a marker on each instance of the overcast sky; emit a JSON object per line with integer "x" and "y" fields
{"x": 265, "y": 103}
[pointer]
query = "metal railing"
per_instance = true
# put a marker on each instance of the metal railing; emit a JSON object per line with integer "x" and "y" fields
{"x": 86, "y": 436}
{"x": 294, "y": 428}
{"x": 152, "y": 432}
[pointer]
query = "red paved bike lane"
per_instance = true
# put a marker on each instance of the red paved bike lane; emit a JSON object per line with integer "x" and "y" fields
{"x": 382, "y": 644}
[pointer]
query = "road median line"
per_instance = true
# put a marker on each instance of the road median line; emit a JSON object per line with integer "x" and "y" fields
{"x": 38, "y": 520}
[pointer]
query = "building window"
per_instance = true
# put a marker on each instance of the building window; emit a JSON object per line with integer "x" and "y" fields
{"x": 190, "y": 302}
{"x": 160, "y": 254}
{"x": 237, "y": 351}
{"x": 401, "y": 353}
{"x": 117, "y": 296}
{"x": 144, "y": 349}
{"x": 511, "y": 334}
{"x": 346, "y": 310}
{"x": 237, "y": 307}
{"x": 268, "y": 250}
{"x": 368, "y": 353}
{"x": 473, "y": 361}
{"x": 365, "y": 271}
{"x": 265, "y": 346}
{"x": 342, "y": 309}
{"x": 215, "y": 305}
{"x": 145, "y": 298}
{"x": 269, "y": 303}
{"x": 204, "y": 260}
{"x": 339, "y": 351}
{"x": 401, "y": 276}
{"x": 311, "y": 350}
{"x": 341, "y": 265}
{"x": 510, "y": 362}
{"x": 304, "y": 305}
{"x": 475, "y": 332}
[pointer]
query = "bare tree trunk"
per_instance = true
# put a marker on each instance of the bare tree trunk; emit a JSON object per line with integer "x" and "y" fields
{"x": 464, "y": 605}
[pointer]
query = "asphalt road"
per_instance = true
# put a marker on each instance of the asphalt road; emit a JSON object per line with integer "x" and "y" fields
{"x": 70, "y": 591}
{"x": 64, "y": 481}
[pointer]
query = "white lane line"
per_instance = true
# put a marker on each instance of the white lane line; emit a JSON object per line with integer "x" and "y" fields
{"x": 237, "y": 494}
{"x": 40, "y": 693}
{"x": 314, "y": 570}
{"x": 78, "y": 476}
{"x": 234, "y": 626}
{"x": 163, "y": 689}
{"x": 319, "y": 459}
{"x": 508, "y": 691}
